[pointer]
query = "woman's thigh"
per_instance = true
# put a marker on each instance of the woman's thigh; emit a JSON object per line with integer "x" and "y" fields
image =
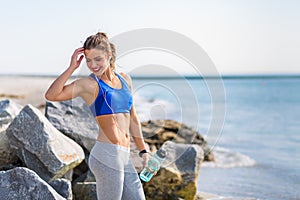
{"x": 107, "y": 163}
{"x": 109, "y": 181}
{"x": 132, "y": 189}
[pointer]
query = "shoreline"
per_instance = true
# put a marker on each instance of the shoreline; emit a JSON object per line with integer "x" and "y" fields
{"x": 209, "y": 196}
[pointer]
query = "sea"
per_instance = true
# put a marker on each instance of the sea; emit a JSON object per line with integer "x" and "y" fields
{"x": 250, "y": 122}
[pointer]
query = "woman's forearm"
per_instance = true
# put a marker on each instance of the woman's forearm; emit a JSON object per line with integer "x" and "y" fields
{"x": 136, "y": 132}
{"x": 139, "y": 142}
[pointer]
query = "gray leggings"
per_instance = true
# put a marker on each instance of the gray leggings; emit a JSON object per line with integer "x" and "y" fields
{"x": 116, "y": 177}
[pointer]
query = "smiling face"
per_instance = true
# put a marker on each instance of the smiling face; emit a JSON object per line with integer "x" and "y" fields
{"x": 97, "y": 61}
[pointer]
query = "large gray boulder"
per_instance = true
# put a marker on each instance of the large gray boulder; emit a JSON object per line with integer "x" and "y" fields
{"x": 24, "y": 184}
{"x": 8, "y": 111}
{"x": 41, "y": 146}
{"x": 63, "y": 187}
{"x": 178, "y": 176}
{"x": 85, "y": 191}
{"x": 74, "y": 119}
{"x": 157, "y": 132}
{"x": 7, "y": 155}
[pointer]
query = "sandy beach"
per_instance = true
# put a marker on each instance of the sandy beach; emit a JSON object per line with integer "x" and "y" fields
{"x": 26, "y": 89}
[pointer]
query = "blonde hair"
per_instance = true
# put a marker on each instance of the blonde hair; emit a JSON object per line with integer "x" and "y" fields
{"x": 100, "y": 41}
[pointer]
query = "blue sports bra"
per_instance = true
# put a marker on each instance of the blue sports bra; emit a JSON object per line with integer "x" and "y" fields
{"x": 111, "y": 100}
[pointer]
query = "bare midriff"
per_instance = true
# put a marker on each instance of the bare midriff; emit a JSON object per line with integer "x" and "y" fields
{"x": 114, "y": 129}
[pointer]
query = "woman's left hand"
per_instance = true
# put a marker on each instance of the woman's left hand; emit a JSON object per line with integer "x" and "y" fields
{"x": 145, "y": 158}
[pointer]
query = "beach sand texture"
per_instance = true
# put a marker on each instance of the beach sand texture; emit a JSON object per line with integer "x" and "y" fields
{"x": 26, "y": 89}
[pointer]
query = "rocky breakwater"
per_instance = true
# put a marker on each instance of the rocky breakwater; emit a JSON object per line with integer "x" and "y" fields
{"x": 51, "y": 154}
{"x": 44, "y": 155}
{"x": 186, "y": 150}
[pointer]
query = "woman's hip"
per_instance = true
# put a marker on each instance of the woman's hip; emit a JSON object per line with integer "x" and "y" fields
{"x": 110, "y": 155}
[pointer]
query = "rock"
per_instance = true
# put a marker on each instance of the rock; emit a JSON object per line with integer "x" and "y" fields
{"x": 85, "y": 191}
{"x": 74, "y": 119}
{"x": 8, "y": 111}
{"x": 69, "y": 175}
{"x": 80, "y": 172}
{"x": 86, "y": 176}
{"x": 42, "y": 147}
{"x": 62, "y": 187}
{"x": 24, "y": 184}
{"x": 178, "y": 176}
{"x": 7, "y": 155}
{"x": 90, "y": 177}
{"x": 157, "y": 132}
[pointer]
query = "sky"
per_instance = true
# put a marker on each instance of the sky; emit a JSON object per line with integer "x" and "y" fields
{"x": 239, "y": 36}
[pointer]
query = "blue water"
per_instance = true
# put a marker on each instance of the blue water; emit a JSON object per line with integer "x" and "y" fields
{"x": 261, "y": 121}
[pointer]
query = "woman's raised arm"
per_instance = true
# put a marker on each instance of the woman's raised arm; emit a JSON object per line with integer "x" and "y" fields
{"x": 58, "y": 91}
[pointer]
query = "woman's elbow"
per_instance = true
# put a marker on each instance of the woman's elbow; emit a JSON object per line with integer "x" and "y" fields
{"x": 49, "y": 97}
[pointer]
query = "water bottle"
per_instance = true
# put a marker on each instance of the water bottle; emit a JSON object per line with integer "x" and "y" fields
{"x": 153, "y": 165}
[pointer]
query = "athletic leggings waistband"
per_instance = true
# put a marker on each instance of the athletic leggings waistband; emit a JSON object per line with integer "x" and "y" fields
{"x": 111, "y": 146}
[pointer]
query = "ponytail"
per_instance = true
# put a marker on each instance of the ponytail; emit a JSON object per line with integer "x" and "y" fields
{"x": 100, "y": 41}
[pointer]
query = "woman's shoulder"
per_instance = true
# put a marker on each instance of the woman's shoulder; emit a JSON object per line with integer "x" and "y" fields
{"x": 127, "y": 78}
{"x": 86, "y": 82}
{"x": 85, "y": 79}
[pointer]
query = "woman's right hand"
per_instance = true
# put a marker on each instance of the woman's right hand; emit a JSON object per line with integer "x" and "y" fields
{"x": 75, "y": 62}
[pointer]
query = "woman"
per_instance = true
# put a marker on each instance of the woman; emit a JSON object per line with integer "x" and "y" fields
{"x": 109, "y": 97}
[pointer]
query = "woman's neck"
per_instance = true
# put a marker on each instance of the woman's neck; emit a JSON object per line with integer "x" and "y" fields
{"x": 108, "y": 75}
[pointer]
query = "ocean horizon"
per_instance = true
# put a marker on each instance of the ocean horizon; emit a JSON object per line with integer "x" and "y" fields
{"x": 187, "y": 76}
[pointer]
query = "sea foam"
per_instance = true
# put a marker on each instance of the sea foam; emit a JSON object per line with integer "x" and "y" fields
{"x": 229, "y": 159}
{"x": 152, "y": 109}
